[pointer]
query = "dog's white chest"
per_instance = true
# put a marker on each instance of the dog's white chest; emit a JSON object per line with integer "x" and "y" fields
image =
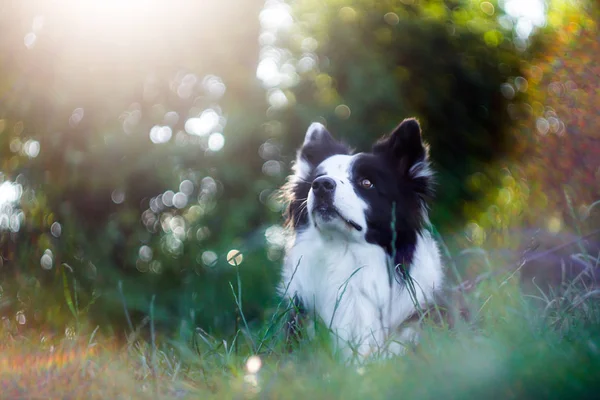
{"x": 346, "y": 284}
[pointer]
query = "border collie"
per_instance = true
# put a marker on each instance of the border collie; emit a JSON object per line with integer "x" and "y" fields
{"x": 361, "y": 257}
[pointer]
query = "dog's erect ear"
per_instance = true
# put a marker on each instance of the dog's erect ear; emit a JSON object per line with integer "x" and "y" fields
{"x": 318, "y": 145}
{"x": 405, "y": 146}
{"x": 317, "y": 132}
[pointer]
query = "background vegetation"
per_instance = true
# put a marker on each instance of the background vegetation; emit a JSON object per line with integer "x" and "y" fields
{"x": 142, "y": 145}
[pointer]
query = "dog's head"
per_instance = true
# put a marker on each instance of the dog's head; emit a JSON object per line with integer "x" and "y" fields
{"x": 370, "y": 197}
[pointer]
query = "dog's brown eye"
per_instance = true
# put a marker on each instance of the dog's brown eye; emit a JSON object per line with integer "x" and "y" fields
{"x": 366, "y": 184}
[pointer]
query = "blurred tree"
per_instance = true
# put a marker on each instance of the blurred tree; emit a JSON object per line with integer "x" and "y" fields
{"x": 104, "y": 108}
{"x": 554, "y": 181}
{"x": 362, "y": 66}
{"x": 549, "y": 190}
{"x": 563, "y": 156}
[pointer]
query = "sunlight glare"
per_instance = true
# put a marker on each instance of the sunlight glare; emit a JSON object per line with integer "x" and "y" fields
{"x": 29, "y": 40}
{"x": 528, "y": 14}
{"x": 275, "y": 67}
{"x": 268, "y": 72}
{"x": 9, "y": 193}
{"x": 113, "y": 12}
{"x": 203, "y": 124}
{"x": 160, "y": 134}
{"x": 275, "y": 15}
{"x": 11, "y": 217}
{"x": 216, "y": 141}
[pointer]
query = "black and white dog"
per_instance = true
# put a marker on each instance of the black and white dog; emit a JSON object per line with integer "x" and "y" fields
{"x": 360, "y": 239}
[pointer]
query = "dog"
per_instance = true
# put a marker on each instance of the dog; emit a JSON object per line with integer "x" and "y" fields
{"x": 361, "y": 256}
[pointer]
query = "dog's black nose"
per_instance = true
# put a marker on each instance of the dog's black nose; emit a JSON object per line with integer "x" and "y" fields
{"x": 323, "y": 185}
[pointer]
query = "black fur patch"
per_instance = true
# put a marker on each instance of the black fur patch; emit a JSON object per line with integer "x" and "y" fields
{"x": 390, "y": 168}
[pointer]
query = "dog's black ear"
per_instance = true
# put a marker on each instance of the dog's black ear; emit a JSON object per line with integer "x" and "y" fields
{"x": 318, "y": 145}
{"x": 405, "y": 146}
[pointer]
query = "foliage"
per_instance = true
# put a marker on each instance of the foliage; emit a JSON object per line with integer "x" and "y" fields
{"x": 115, "y": 173}
{"x": 552, "y": 185}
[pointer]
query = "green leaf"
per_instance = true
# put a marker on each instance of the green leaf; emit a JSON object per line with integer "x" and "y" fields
{"x": 67, "y": 291}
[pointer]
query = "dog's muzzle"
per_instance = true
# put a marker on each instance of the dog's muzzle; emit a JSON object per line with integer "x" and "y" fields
{"x": 323, "y": 191}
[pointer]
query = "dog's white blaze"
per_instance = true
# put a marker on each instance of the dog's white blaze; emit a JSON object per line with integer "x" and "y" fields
{"x": 345, "y": 199}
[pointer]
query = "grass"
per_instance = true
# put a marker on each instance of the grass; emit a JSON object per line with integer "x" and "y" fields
{"x": 516, "y": 345}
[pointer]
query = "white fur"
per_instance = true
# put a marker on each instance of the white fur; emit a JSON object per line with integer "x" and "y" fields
{"x": 301, "y": 168}
{"x": 324, "y": 271}
{"x": 421, "y": 170}
{"x": 336, "y": 273}
{"x": 345, "y": 199}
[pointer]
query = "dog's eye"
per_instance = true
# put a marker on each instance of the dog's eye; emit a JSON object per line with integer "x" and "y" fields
{"x": 365, "y": 183}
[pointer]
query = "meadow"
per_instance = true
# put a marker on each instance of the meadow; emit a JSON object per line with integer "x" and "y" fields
{"x": 513, "y": 343}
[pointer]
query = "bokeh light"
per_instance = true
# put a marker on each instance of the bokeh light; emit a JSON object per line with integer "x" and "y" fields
{"x": 235, "y": 257}
{"x": 253, "y": 364}
{"x": 216, "y": 141}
